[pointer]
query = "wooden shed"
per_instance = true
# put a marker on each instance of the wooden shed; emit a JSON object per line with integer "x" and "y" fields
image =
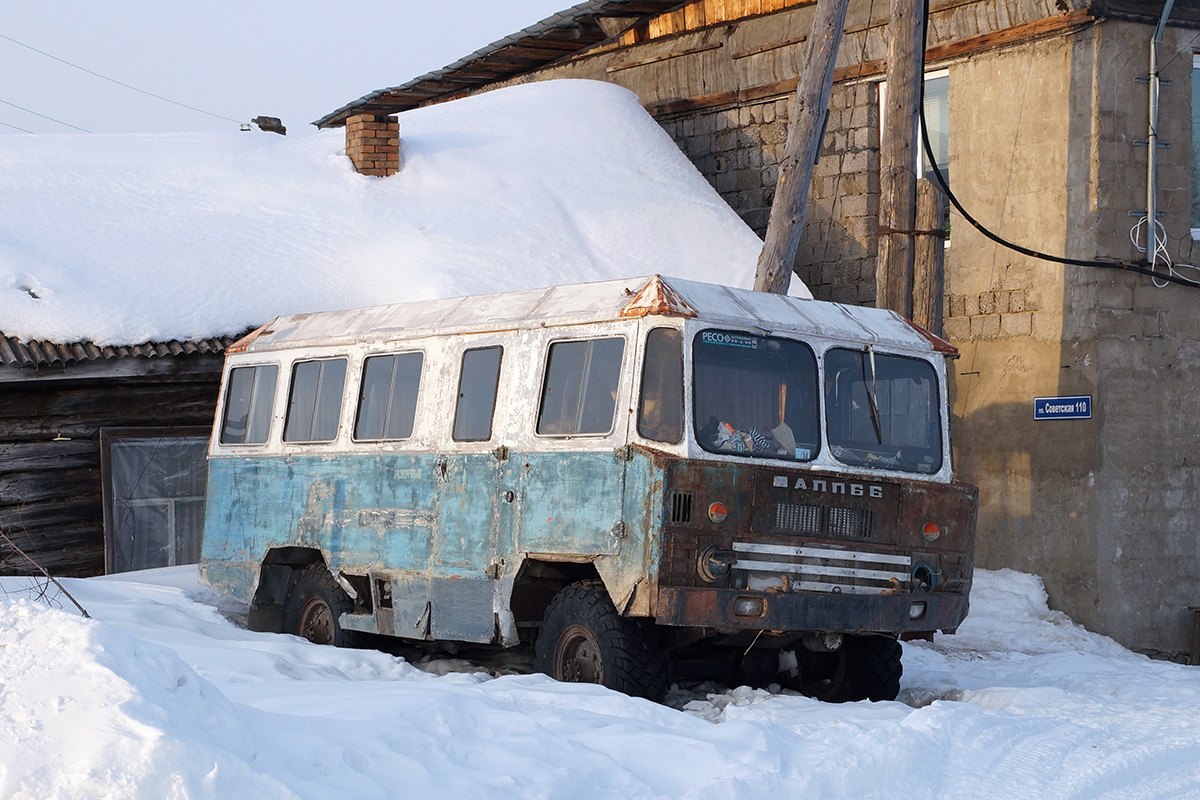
{"x": 102, "y": 464}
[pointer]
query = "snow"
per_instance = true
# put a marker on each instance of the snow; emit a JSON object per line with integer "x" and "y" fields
{"x": 160, "y": 695}
{"x": 122, "y": 239}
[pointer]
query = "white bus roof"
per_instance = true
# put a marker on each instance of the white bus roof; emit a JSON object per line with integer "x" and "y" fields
{"x": 606, "y": 301}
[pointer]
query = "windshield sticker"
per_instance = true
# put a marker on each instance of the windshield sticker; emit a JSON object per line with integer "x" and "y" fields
{"x": 729, "y": 339}
{"x": 803, "y": 454}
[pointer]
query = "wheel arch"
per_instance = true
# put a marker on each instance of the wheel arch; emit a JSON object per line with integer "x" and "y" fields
{"x": 275, "y": 576}
{"x": 539, "y": 580}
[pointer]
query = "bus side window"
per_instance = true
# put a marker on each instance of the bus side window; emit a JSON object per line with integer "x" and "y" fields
{"x": 660, "y": 412}
{"x": 248, "y": 402}
{"x": 579, "y": 393}
{"x": 477, "y": 385}
{"x": 315, "y": 401}
{"x": 387, "y": 400}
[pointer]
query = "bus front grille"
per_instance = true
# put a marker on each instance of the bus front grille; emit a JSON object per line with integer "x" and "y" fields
{"x": 810, "y": 520}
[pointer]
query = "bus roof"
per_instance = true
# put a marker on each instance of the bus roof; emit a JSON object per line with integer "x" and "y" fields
{"x": 606, "y": 301}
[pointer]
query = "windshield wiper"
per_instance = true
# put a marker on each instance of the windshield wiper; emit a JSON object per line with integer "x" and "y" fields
{"x": 872, "y": 402}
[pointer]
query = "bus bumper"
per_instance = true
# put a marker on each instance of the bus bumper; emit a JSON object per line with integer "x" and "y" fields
{"x": 730, "y": 610}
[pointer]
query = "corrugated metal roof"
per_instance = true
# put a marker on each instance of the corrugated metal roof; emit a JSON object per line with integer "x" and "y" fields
{"x": 585, "y": 303}
{"x": 560, "y": 35}
{"x": 39, "y": 353}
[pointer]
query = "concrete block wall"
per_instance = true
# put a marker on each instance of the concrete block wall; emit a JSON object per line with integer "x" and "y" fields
{"x": 738, "y": 149}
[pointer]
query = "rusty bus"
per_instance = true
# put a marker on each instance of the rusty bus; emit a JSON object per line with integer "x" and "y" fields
{"x": 643, "y": 478}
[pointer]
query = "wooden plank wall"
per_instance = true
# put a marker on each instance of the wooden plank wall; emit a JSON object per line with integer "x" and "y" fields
{"x": 50, "y": 491}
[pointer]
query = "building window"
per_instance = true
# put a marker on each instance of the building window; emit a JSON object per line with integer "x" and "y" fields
{"x": 937, "y": 121}
{"x": 315, "y": 400}
{"x": 477, "y": 385}
{"x": 1196, "y": 146}
{"x": 579, "y": 393}
{"x": 153, "y": 489}
{"x": 387, "y": 403}
{"x": 248, "y": 400}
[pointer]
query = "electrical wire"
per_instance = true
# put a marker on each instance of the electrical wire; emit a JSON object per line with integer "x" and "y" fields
{"x": 119, "y": 83}
{"x": 15, "y": 127}
{"x": 1168, "y": 277}
{"x": 43, "y": 116}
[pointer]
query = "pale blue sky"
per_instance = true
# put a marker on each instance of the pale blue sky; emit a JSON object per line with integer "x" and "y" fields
{"x": 233, "y": 58}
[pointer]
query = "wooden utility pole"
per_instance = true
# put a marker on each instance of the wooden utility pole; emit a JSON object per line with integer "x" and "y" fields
{"x": 805, "y": 130}
{"x": 897, "y": 158}
{"x": 929, "y": 258}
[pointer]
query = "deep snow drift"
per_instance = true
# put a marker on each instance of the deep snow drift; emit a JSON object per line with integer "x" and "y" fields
{"x": 160, "y": 696}
{"x": 122, "y": 239}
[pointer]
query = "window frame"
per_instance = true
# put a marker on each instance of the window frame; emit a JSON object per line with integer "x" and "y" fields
{"x": 287, "y": 415}
{"x": 109, "y": 436}
{"x": 362, "y": 374}
{"x": 821, "y": 445}
{"x": 219, "y": 433}
{"x": 458, "y": 394}
{"x": 541, "y": 396}
{"x": 645, "y": 347}
{"x": 919, "y": 162}
{"x": 942, "y": 412}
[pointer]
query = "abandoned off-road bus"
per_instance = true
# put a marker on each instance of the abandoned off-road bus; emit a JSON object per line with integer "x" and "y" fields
{"x": 642, "y": 478}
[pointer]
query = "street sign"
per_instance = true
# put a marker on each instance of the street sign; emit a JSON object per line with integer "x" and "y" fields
{"x": 1071, "y": 407}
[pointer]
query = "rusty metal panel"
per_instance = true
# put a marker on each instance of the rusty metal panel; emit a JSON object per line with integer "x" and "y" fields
{"x": 467, "y": 491}
{"x": 826, "y": 506}
{"x": 462, "y": 610}
{"x": 809, "y": 611}
{"x": 571, "y": 503}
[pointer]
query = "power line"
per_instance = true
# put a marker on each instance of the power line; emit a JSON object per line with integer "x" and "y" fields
{"x": 43, "y": 116}
{"x": 15, "y": 128}
{"x": 120, "y": 83}
{"x": 1025, "y": 251}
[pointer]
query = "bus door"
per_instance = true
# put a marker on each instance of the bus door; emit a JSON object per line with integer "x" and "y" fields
{"x": 468, "y": 481}
{"x": 573, "y": 485}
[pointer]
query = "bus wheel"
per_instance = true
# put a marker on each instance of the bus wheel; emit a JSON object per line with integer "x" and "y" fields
{"x": 584, "y": 640}
{"x": 314, "y": 603}
{"x": 863, "y": 668}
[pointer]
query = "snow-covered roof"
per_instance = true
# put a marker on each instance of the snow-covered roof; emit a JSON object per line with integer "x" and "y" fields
{"x": 592, "y": 302}
{"x": 123, "y": 239}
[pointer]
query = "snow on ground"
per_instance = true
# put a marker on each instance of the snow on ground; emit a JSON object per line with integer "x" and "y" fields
{"x": 122, "y": 239}
{"x": 161, "y": 696}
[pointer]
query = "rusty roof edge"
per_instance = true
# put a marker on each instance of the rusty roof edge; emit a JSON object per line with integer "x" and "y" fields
{"x": 559, "y": 20}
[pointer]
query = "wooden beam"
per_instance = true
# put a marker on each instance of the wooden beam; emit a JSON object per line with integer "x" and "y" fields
{"x": 806, "y": 128}
{"x": 1050, "y": 26}
{"x": 766, "y": 48}
{"x": 929, "y": 258}
{"x": 898, "y": 159}
{"x": 657, "y": 59}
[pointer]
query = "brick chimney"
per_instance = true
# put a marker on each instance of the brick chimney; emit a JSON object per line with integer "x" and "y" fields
{"x": 373, "y": 144}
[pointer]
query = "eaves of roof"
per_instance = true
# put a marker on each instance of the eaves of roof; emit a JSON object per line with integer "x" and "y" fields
{"x": 39, "y": 353}
{"x": 563, "y": 34}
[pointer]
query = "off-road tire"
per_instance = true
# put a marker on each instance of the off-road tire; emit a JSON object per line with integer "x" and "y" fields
{"x": 583, "y": 639}
{"x": 314, "y": 603}
{"x": 864, "y": 668}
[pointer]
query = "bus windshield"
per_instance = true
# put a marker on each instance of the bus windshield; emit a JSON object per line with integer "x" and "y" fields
{"x": 755, "y": 396}
{"x": 883, "y": 411}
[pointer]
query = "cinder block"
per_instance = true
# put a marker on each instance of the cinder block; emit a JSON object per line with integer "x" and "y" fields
{"x": 957, "y": 328}
{"x": 1016, "y": 324}
{"x": 985, "y": 326}
{"x": 853, "y": 206}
